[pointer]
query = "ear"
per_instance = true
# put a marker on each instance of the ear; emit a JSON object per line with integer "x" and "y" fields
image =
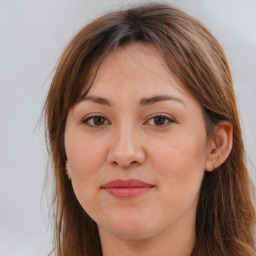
{"x": 220, "y": 146}
{"x": 67, "y": 165}
{"x": 68, "y": 171}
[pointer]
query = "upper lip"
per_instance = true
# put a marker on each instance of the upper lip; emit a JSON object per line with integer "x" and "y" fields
{"x": 131, "y": 183}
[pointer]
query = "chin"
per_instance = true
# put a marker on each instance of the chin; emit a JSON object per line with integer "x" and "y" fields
{"x": 130, "y": 229}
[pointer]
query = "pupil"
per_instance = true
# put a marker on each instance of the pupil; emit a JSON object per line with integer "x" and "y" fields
{"x": 159, "y": 120}
{"x": 98, "y": 120}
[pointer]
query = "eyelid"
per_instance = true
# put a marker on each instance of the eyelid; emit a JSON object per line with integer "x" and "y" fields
{"x": 87, "y": 118}
{"x": 168, "y": 117}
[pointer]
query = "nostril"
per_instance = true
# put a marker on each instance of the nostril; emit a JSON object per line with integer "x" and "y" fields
{"x": 115, "y": 163}
{"x": 125, "y": 165}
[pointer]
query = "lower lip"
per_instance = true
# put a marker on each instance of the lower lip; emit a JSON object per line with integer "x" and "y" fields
{"x": 127, "y": 192}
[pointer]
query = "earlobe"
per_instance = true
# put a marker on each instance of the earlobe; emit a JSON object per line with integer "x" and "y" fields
{"x": 67, "y": 165}
{"x": 68, "y": 171}
{"x": 220, "y": 146}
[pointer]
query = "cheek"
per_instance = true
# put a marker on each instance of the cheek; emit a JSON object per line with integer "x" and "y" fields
{"x": 181, "y": 152}
{"x": 85, "y": 159}
{"x": 180, "y": 164}
{"x": 84, "y": 155}
{"x": 180, "y": 176}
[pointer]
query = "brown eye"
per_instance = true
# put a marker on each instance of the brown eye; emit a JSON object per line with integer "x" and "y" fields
{"x": 95, "y": 121}
{"x": 159, "y": 120}
{"x": 98, "y": 120}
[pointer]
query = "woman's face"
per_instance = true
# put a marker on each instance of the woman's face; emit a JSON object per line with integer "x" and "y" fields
{"x": 137, "y": 148}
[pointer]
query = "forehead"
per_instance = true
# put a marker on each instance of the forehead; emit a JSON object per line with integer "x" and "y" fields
{"x": 135, "y": 68}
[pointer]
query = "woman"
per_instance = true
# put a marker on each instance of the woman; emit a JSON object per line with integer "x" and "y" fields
{"x": 145, "y": 141}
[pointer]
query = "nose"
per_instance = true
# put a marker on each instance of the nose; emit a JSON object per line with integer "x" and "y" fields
{"x": 126, "y": 150}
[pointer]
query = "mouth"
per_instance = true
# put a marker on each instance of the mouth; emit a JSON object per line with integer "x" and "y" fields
{"x": 127, "y": 188}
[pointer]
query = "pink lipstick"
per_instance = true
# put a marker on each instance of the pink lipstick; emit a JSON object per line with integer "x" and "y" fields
{"x": 127, "y": 188}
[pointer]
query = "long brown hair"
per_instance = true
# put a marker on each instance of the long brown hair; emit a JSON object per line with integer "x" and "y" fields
{"x": 225, "y": 215}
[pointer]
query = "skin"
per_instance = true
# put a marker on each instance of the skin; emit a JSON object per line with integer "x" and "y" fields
{"x": 128, "y": 143}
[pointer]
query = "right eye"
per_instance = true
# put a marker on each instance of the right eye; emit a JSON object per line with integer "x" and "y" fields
{"x": 95, "y": 121}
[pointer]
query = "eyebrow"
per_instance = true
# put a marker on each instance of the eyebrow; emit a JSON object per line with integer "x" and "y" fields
{"x": 154, "y": 99}
{"x": 143, "y": 101}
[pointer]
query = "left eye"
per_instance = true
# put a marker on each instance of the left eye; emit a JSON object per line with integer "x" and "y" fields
{"x": 95, "y": 121}
{"x": 160, "y": 120}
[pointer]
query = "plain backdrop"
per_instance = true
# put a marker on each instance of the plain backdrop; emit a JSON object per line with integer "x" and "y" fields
{"x": 33, "y": 34}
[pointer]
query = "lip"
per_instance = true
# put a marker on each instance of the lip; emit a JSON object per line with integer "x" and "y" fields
{"x": 127, "y": 188}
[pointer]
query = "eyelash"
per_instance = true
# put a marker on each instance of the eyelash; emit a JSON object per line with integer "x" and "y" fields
{"x": 168, "y": 119}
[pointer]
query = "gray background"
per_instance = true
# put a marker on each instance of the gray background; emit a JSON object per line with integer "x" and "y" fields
{"x": 33, "y": 34}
